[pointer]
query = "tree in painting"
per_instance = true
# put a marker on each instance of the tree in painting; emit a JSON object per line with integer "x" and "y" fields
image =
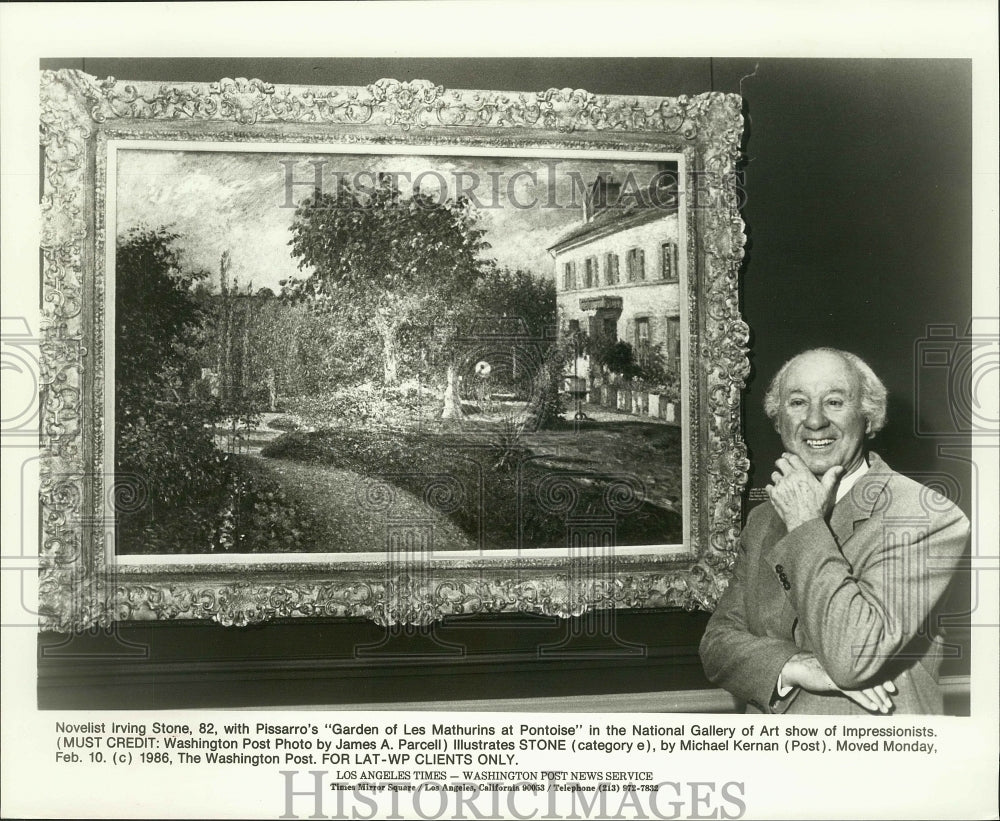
{"x": 385, "y": 260}
{"x": 160, "y": 433}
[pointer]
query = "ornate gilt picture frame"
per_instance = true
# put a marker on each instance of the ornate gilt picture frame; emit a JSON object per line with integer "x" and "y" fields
{"x": 646, "y": 350}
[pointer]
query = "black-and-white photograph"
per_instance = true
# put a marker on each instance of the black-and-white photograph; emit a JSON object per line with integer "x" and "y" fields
{"x": 449, "y": 410}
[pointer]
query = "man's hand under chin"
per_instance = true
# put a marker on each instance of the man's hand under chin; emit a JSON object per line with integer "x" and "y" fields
{"x": 797, "y": 495}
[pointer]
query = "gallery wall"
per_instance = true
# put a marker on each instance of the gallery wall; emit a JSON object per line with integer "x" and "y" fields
{"x": 858, "y": 212}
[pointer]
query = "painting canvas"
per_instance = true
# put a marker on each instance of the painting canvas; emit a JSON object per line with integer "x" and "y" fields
{"x": 344, "y": 352}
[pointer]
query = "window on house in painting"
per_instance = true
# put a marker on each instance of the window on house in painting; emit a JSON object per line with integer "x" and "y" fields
{"x": 574, "y": 326}
{"x": 642, "y": 332}
{"x": 673, "y": 346}
{"x": 668, "y": 262}
{"x": 611, "y": 269}
{"x": 635, "y": 264}
{"x": 610, "y": 329}
{"x": 590, "y": 272}
{"x": 569, "y": 276}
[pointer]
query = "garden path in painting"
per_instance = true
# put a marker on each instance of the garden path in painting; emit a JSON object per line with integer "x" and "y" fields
{"x": 314, "y": 471}
{"x": 338, "y": 520}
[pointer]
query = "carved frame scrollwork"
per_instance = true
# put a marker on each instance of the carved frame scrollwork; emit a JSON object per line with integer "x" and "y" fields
{"x": 81, "y": 585}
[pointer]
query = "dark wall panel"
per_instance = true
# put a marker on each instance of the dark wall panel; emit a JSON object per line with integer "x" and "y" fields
{"x": 859, "y": 210}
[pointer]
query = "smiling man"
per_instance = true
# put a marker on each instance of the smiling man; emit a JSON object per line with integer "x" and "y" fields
{"x": 832, "y": 604}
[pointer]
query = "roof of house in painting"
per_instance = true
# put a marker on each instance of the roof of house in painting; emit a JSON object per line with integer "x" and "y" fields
{"x": 608, "y": 209}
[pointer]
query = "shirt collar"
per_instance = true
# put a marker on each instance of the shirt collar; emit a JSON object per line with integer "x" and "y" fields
{"x": 851, "y": 479}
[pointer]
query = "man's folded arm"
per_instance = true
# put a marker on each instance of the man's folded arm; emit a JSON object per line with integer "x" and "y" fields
{"x": 856, "y": 620}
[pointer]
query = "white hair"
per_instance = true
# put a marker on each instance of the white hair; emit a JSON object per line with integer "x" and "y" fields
{"x": 873, "y": 393}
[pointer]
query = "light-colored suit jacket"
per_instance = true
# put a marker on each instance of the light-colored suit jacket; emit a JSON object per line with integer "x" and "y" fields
{"x": 859, "y": 591}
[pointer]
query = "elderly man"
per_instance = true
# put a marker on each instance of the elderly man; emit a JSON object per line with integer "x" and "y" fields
{"x": 831, "y": 605}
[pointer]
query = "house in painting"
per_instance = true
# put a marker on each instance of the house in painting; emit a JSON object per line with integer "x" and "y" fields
{"x": 617, "y": 270}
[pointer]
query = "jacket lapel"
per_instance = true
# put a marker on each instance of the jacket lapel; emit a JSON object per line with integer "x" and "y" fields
{"x": 862, "y": 500}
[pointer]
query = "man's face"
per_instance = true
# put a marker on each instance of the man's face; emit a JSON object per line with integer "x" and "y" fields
{"x": 819, "y": 413}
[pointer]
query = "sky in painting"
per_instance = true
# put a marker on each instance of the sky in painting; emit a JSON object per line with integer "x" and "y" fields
{"x": 219, "y": 201}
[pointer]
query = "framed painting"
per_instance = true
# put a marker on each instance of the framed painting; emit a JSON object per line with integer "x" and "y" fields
{"x": 396, "y": 352}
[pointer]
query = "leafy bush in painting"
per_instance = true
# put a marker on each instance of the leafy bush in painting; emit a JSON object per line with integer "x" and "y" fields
{"x": 284, "y": 422}
{"x": 643, "y": 368}
{"x": 547, "y": 402}
{"x": 667, "y": 385}
{"x": 369, "y": 405}
{"x": 615, "y": 356}
{"x": 188, "y": 495}
{"x": 161, "y": 438}
{"x": 257, "y": 516}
